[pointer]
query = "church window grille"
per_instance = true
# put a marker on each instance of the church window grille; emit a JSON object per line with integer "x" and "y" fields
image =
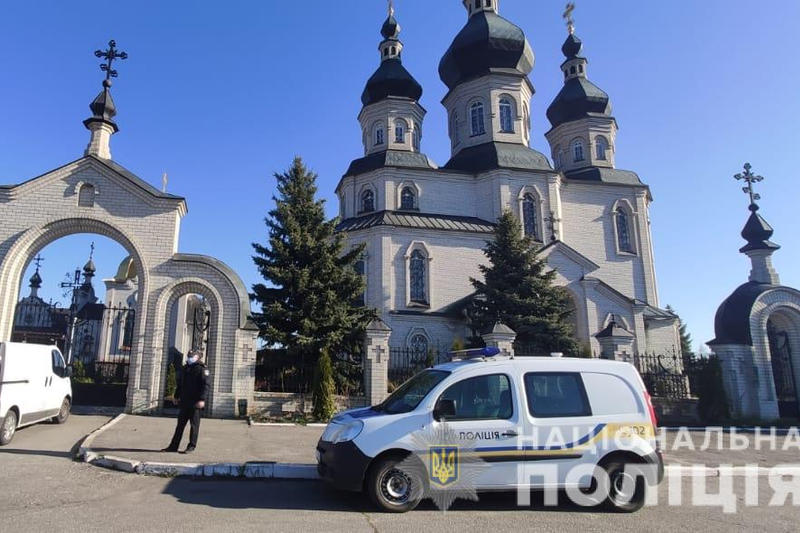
{"x": 367, "y": 201}
{"x": 572, "y": 69}
{"x": 417, "y": 277}
{"x": 408, "y": 199}
{"x": 529, "y": 217}
{"x": 601, "y": 146}
{"x": 394, "y": 50}
{"x": 477, "y": 120}
{"x": 419, "y": 344}
{"x": 506, "y": 119}
{"x": 623, "y": 231}
{"x": 379, "y": 136}
{"x": 86, "y": 195}
{"x": 580, "y": 68}
{"x": 577, "y": 151}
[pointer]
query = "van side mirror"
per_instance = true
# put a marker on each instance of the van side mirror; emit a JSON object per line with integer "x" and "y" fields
{"x": 444, "y": 408}
{"x": 68, "y": 372}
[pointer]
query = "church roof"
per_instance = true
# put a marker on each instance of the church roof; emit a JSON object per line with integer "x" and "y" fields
{"x": 487, "y": 43}
{"x": 404, "y": 219}
{"x": 757, "y": 232}
{"x": 604, "y": 175}
{"x": 494, "y": 155}
{"x": 391, "y": 79}
{"x": 389, "y": 158}
{"x": 732, "y": 321}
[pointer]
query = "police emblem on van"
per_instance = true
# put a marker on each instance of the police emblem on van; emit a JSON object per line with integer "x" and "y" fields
{"x": 443, "y": 465}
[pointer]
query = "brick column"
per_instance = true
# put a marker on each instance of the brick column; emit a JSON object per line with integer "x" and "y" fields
{"x": 376, "y": 361}
{"x": 501, "y": 337}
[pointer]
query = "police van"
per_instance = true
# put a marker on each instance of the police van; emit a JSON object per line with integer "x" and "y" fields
{"x": 544, "y": 417}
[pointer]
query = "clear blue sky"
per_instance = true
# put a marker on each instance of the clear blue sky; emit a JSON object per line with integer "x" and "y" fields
{"x": 221, "y": 95}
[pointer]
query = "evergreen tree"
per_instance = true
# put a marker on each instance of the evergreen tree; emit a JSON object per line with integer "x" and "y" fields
{"x": 324, "y": 405}
{"x": 308, "y": 300}
{"x": 686, "y": 338}
{"x": 518, "y": 291}
{"x": 172, "y": 381}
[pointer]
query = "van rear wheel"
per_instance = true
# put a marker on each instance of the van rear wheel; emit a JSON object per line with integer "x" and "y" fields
{"x": 63, "y": 413}
{"x": 626, "y": 490}
{"x": 9, "y": 428}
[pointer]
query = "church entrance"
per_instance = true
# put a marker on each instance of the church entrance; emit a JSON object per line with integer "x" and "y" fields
{"x": 783, "y": 367}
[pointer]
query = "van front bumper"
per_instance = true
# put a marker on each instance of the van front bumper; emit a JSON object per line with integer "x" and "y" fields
{"x": 343, "y": 464}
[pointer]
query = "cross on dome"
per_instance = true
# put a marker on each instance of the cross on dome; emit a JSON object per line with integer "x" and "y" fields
{"x": 750, "y": 179}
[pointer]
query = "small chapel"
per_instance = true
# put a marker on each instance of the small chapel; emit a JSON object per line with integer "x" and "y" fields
{"x": 425, "y": 225}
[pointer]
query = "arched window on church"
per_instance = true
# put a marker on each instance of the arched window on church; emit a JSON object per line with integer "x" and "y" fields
{"x": 418, "y": 292}
{"x": 399, "y": 131}
{"x": 624, "y": 241}
{"x": 360, "y": 267}
{"x": 408, "y": 198}
{"x": 601, "y": 145}
{"x": 526, "y": 120}
{"x": 478, "y": 126}
{"x": 557, "y": 156}
{"x": 417, "y": 136}
{"x": 577, "y": 150}
{"x": 379, "y": 135}
{"x": 530, "y": 219}
{"x": 454, "y": 128}
{"x": 367, "y": 201}
{"x": 86, "y": 195}
{"x": 506, "y": 115}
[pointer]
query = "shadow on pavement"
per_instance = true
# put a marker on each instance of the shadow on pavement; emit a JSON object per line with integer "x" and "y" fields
{"x": 317, "y": 496}
{"x": 46, "y": 453}
{"x": 130, "y": 450}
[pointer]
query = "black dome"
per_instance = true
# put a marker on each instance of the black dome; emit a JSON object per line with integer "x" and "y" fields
{"x": 577, "y": 99}
{"x": 757, "y": 232}
{"x": 487, "y": 42}
{"x": 732, "y": 321}
{"x": 391, "y": 79}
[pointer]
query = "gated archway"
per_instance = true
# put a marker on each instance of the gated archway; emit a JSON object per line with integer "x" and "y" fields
{"x": 95, "y": 195}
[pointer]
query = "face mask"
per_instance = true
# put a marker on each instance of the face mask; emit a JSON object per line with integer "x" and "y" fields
{"x": 192, "y": 360}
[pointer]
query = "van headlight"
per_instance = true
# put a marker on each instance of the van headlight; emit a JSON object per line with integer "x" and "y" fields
{"x": 337, "y": 432}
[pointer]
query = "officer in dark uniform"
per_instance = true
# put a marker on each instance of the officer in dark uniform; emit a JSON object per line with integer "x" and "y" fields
{"x": 191, "y": 394}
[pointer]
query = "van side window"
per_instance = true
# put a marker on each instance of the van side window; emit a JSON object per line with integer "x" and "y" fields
{"x": 556, "y": 394}
{"x": 481, "y": 398}
{"x": 58, "y": 363}
{"x": 610, "y": 395}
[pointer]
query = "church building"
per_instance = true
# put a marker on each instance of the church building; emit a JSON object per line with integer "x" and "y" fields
{"x": 425, "y": 225}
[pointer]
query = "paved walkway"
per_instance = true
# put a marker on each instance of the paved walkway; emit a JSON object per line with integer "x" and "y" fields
{"x": 141, "y": 438}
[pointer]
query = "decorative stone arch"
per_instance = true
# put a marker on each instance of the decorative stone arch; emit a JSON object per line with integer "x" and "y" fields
{"x": 146, "y": 223}
{"x": 782, "y": 304}
{"x": 573, "y": 152}
{"x": 28, "y": 244}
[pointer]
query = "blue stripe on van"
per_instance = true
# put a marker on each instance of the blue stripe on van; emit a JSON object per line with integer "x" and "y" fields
{"x": 583, "y": 440}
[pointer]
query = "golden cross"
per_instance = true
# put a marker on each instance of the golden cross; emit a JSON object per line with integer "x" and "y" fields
{"x": 568, "y": 17}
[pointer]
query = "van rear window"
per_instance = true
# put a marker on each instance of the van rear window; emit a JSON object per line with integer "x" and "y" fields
{"x": 556, "y": 394}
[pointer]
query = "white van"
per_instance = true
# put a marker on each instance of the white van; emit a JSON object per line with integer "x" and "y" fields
{"x": 34, "y": 386}
{"x": 532, "y": 422}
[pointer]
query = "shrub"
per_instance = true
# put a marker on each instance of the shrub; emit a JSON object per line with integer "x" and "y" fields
{"x": 172, "y": 381}
{"x": 712, "y": 401}
{"x": 323, "y": 400}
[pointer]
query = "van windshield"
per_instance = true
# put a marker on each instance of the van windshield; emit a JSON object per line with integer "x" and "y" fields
{"x": 409, "y": 395}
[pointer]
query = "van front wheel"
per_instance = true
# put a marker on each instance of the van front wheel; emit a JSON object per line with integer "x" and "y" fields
{"x": 63, "y": 413}
{"x": 9, "y": 428}
{"x": 393, "y": 489}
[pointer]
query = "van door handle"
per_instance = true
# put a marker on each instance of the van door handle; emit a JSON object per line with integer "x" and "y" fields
{"x": 510, "y": 434}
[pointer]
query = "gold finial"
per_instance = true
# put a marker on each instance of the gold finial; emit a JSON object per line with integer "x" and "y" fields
{"x": 568, "y": 17}
{"x": 391, "y": 8}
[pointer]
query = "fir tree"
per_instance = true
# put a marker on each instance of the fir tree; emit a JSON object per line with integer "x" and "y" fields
{"x": 518, "y": 291}
{"x": 686, "y": 338}
{"x": 308, "y": 298}
{"x": 172, "y": 381}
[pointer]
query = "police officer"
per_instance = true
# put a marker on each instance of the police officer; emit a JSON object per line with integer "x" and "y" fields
{"x": 191, "y": 394}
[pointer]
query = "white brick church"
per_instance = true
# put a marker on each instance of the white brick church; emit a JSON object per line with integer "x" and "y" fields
{"x": 425, "y": 225}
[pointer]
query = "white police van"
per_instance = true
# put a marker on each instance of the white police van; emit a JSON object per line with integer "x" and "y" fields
{"x": 535, "y": 415}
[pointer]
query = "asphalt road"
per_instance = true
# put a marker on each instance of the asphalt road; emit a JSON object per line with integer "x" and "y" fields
{"x": 44, "y": 490}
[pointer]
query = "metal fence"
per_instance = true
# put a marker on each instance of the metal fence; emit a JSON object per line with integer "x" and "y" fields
{"x": 277, "y": 371}
{"x": 404, "y": 362}
{"x": 670, "y": 376}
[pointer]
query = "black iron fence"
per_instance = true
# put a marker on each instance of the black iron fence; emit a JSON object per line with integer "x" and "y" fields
{"x": 405, "y": 362}
{"x": 279, "y": 371}
{"x": 671, "y": 376}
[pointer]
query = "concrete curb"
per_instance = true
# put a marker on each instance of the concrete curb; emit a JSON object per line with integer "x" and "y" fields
{"x": 735, "y": 471}
{"x": 285, "y": 424}
{"x": 85, "y": 447}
